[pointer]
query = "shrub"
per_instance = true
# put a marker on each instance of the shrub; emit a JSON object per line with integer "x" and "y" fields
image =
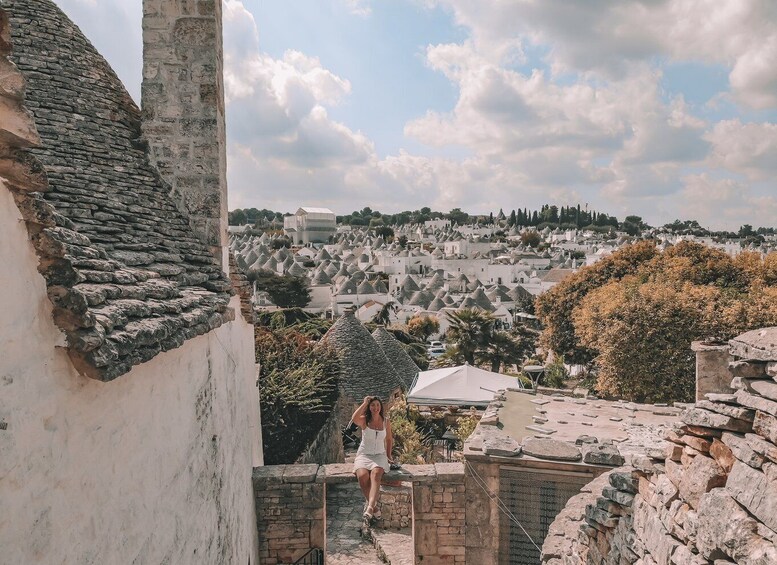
{"x": 298, "y": 389}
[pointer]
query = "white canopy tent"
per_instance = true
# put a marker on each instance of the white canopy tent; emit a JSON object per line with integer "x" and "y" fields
{"x": 464, "y": 385}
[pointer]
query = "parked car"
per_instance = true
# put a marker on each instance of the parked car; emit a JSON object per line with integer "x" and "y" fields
{"x": 435, "y": 351}
{"x": 435, "y": 344}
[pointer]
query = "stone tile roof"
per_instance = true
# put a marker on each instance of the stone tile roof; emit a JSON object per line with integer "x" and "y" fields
{"x": 366, "y": 369}
{"x": 127, "y": 276}
{"x": 396, "y": 354}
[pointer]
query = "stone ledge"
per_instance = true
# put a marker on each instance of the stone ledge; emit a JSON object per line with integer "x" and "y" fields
{"x": 338, "y": 473}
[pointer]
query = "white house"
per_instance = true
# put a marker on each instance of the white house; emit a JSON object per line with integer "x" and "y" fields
{"x": 310, "y": 225}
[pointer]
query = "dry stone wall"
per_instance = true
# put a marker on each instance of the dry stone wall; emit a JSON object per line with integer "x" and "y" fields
{"x": 711, "y": 497}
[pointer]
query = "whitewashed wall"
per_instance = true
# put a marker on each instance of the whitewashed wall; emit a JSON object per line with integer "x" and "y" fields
{"x": 154, "y": 467}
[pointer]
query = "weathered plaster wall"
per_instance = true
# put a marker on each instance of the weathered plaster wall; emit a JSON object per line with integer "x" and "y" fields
{"x": 152, "y": 468}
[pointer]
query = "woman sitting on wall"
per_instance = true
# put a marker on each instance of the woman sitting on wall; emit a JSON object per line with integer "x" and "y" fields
{"x": 373, "y": 457}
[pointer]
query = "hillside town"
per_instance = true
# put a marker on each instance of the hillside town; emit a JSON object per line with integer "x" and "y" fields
{"x": 438, "y": 266}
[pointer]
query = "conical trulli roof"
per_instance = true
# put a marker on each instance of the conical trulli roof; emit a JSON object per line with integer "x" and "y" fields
{"x": 380, "y": 287}
{"x": 520, "y": 293}
{"x": 436, "y": 283}
{"x": 436, "y": 305}
{"x": 321, "y": 279}
{"x": 366, "y": 369}
{"x": 482, "y": 300}
{"x": 401, "y": 362}
{"x": 366, "y": 288}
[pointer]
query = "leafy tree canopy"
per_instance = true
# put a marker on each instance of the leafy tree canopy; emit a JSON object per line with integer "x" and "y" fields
{"x": 285, "y": 291}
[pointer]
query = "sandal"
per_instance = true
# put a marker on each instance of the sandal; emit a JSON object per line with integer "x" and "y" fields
{"x": 369, "y": 513}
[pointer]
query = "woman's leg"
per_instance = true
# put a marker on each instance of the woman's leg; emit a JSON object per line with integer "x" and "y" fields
{"x": 375, "y": 476}
{"x": 363, "y": 475}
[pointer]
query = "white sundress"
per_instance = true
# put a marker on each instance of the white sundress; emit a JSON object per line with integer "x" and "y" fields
{"x": 372, "y": 450}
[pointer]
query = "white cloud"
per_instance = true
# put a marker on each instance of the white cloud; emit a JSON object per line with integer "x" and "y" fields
{"x": 359, "y": 7}
{"x": 591, "y": 125}
{"x": 610, "y": 37}
{"x": 749, "y": 149}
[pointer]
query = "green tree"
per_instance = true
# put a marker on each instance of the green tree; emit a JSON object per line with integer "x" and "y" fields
{"x": 469, "y": 331}
{"x": 422, "y": 327}
{"x": 554, "y": 307}
{"x": 531, "y": 238}
{"x": 386, "y": 232}
{"x": 285, "y": 291}
{"x": 383, "y": 317}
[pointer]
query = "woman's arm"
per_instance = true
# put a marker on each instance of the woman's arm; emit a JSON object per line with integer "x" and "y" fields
{"x": 389, "y": 440}
{"x": 360, "y": 414}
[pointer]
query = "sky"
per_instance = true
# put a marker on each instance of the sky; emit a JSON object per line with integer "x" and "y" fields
{"x": 665, "y": 109}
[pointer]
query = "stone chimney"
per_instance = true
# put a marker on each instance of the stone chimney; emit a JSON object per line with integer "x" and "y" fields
{"x": 712, "y": 372}
{"x": 183, "y": 111}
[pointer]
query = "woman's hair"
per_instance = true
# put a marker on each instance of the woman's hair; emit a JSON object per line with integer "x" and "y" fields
{"x": 369, "y": 412}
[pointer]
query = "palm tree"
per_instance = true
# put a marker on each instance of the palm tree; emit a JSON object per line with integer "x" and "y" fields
{"x": 470, "y": 330}
{"x": 383, "y": 317}
{"x": 506, "y": 348}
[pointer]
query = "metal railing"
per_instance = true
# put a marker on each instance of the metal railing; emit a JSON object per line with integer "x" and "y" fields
{"x": 313, "y": 557}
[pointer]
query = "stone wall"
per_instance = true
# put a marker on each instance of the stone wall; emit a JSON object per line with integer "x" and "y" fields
{"x": 291, "y": 512}
{"x": 183, "y": 110}
{"x": 327, "y": 447}
{"x": 712, "y": 496}
{"x": 438, "y": 515}
{"x": 291, "y": 508}
{"x": 396, "y": 507}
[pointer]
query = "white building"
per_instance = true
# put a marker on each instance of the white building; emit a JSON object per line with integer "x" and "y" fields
{"x": 310, "y": 225}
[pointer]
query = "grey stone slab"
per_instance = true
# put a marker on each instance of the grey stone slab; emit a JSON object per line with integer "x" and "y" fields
{"x": 500, "y": 444}
{"x": 452, "y": 472}
{"x": 720, "y": 397}
{"x": 705, "y": 418}
{"x": 757, "y": 402}
{"x": 541, "y": 430}
{"x": 727, "y": 410}
{"x": 759, "y": 345}
{"x": 268, "y": 474}
{"x": 300, "y": 473}
{"x": 600, "y": 454}
{"x": 546, "y": 448}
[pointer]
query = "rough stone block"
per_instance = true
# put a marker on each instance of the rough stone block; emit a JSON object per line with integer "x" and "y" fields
{"x": 702, "y": 475}
{"x": 765, "y": 425}
{"x": 623, "y": 498}
{"x": 599, "y": 454}
{"x": 742, "y": 450}
{"x": 761, "y": 446}
{"x": 757, "y": 402}
{"x": 754, "y": 491}
{"x": 748, "y": 369}
{"x": 724, "y": 527}
{"x": 723, "y": 454}
{"x": 701, "y": 417}
{"x": 624, "y": 480}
